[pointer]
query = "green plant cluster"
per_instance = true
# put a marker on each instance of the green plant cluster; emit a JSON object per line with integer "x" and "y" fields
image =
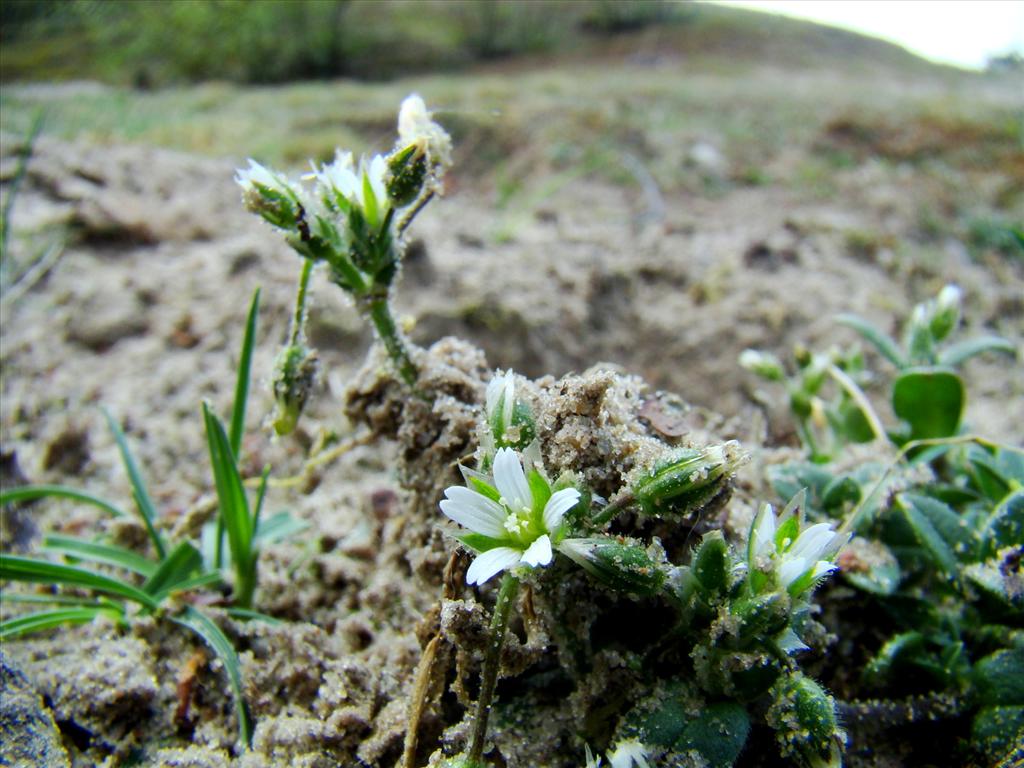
{"x": 939, "y": 516}
{"x": 117, "y": 583}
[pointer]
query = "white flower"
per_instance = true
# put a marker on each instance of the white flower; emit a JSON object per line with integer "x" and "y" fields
{"x": 417, "y": 127}
{"x": 270, "y": 195}
{"x": 804, "y": 559}
{"x": 509, "y": 525}
{"x": 256, "y": 174}
{"x": 341, "y": 178}
{"x": 628, "y": 754}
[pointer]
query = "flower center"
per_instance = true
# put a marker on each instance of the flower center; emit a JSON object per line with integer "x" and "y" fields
{"x": 520, "y": 524}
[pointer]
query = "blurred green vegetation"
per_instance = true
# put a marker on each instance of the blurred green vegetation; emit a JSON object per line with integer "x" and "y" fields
{"x": 157, "y": 42}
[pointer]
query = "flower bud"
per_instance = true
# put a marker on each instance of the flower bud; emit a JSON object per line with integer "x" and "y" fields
{"x": 804, "y": 718}
{"x": 294, "y": 374}
{"x": 407, "y": 170}
{"x": 618, "y": 563}
{"x": 689, "y": 478}
{"x": 920, "y": 341}
{"x": 763, "y": 616}
{"x": 509, "y": 419}
{"x": 764, "y": 364}
{"x": 946, "y": 312}
{"x": 273, "y": 198}
{"x": 712, "y": 564}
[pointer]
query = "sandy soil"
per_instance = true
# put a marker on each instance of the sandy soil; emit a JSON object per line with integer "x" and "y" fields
{"x": 143, "y": 314}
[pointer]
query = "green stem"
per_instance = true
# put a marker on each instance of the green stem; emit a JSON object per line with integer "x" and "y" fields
{"x": 387, "y": 331}
{"x": 299, "y": 316}
{"x": 610, "y": 511}
{"x": 489, "y": 679}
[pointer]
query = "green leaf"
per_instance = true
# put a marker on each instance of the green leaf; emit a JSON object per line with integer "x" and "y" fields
{"x": 234, "y": 506}
{"x": 95, "y": 552}
{"x": 930, "y": 400}
{"x": 712, "y": 564}
{"x": 955, "y": 354}
{"x": 950, "y": 525}
{"x": 278, "y": 527}
{"x": 789, "y": 479}
{"x": 999, "y": 678}
{"x": 139, "y": 492}
{"x": 42, "y": 572}
{"x": 31, "y": 492}
{"x": 242, "y": 383}
{"x": 178, "y": 566}
{"x": 42, "y": 620}
{"x": 203, "y": 626}
{"x": 244, "y": 614}
{"x": 717, "y": 733}
{"x": 477, "y": 541}
{"x": 895, "y": 652}
{"x": 880, "y": 340}
{"x": 933, "y": 542}
{"x": 1005, "y": 526}
{"x": 997, "y": 732}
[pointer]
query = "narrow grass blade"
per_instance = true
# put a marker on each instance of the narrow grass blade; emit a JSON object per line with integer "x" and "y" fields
{"x": 876, "y": 337}
{"x": 37, "y": 622}
{"x": 32, "y": 492}
{"x": 234, "y": 506}
{"x": 16, "y": 568}
{"x": 99, "y": 553}
{"x": 181, "y": 564}
{"x": 244, "y": 614}
{"x": 261, "y": 494}
{"x": 279, "y": 526}
{"x": 187, "y": 585}
{"x": 139, "y": 492}
{"x": 203, "y": 626}
{"x": 242, "y": 385}
{"x": 53, "y": 599}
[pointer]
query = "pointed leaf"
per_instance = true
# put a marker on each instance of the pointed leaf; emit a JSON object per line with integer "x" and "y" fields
{"x": 955, "y": 354}
{"x": 181, "y": 564}
{"x": 242, "y": 383}
{"x": 42, "y": 620}
{"x": 140, "y": 494}
{"x": 95, "y": 552}
{"x": 32, "y": 492}
{"x": 880, "y": 340}
{"x": 234, "y": 506}
{"x": 203, "y": 626}
{"x": 42, "y": 572}
{"x": 929, "y": 539}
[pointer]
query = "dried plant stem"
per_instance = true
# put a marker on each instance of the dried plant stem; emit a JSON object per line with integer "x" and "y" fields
{"x": 418, "y": 699}
{"x": 492, "y": 660}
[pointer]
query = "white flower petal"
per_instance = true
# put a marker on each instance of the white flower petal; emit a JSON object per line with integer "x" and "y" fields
{"x": 510, "y": 480}
{"x": 412, "y": 116}
{"x": 377, "y": 171}
{"x": 559, "y": 503}
{"x": 627, "y": 754}
{"x": 474, "y": 511}
{"x": 792, "y": 569}
{"x": 491, "y": 562}
{"x": 763, "y": 532}
{"x": 538, "y": 553}
{"x": 499, "y": 387}
{"x": 812, "y": 542}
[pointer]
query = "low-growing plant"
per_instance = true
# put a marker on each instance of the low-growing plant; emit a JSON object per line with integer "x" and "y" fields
{"x": 163, "y": 583}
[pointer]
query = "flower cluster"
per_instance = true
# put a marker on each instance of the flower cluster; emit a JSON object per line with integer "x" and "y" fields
{"x": 796, "y": 558}
{"x": 625, "y": 755}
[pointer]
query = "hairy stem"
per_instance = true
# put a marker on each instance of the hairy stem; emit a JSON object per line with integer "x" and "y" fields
{"x": 610, "y": 511}
{"x": 489, "y": 679}
{"x": 299, "y": 316}
{"x": 387, "y": 331}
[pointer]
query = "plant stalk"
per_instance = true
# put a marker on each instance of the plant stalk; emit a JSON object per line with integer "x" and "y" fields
{"x": 489, "y": 679}
{"x": 299, "y": 317}
{"x": 387, "y": 331}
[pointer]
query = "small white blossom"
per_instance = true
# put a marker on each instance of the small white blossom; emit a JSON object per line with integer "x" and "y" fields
{"x": 256, "y": 174}
{"x": 512, "y": 527}
{"x": 627, "y": 754}
{"x": 416, "y": 126}
{"x": 811, "y": 552}
{"x": 342, "y": 178}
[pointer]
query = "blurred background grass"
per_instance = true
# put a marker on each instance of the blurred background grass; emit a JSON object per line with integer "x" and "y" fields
{"x": 536, "y": 94}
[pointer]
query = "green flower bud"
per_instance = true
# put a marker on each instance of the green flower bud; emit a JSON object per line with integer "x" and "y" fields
{"x": 712, "y": 564}
{"x": 621, "y": 564}
{"x": 946, "y": 312}
{"x": 764, "y": 364}
{"x": 407, "y": 170}
{"x": 294, "y": 374}
{"x": 804, "y": 718}
{"x": 763, "y": 616}
{"x": 920, "y": 340}
{"x": 509, "y": 419}
{"x": 270, "y": 196}
{"x": 689, "y": 478}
